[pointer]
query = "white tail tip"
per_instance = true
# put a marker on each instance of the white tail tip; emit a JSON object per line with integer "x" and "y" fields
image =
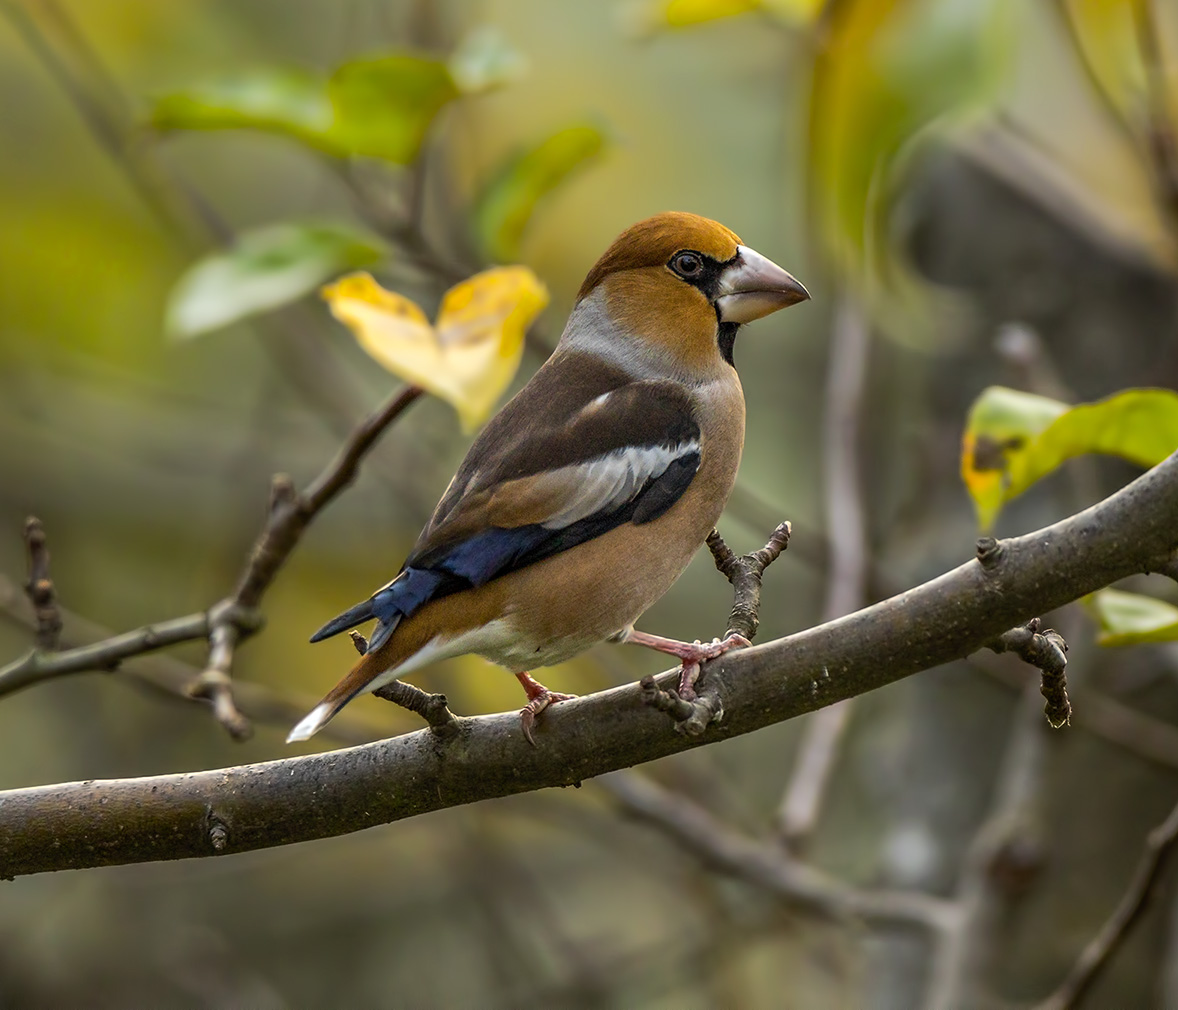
{"x": 311, "y": 724}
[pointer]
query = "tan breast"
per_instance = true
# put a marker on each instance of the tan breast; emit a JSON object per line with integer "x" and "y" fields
{"x": 569, "y": 602}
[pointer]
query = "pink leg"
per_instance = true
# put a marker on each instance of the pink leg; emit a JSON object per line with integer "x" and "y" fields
{"x": 690, "y": 654}
{"x": 539, "y": 698}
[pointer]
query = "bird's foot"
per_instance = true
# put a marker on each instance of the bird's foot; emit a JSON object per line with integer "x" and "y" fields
{"x": 690, "y": 654}
{"x": 539, "y": 698}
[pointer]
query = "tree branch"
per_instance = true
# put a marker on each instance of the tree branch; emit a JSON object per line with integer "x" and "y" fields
{"x": 168, "y": 676}
{"x": 694, "y": 716}
{"x": 118, "y": 821}
{"x": 233, "y": 619}
{"x": 767, "y": 865}
{"x": 1159, "y": 843}
{"x": 39, "y": 587}
{"x": 744, "y": 572}
{"x": 37, "y": 666}
{"x": 1047, "y": 652}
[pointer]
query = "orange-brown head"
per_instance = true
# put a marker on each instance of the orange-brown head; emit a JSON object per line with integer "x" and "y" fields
{"x": 682, "y": 284}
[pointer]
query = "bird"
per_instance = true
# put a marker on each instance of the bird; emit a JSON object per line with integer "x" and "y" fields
{"x": 584, "y": 498}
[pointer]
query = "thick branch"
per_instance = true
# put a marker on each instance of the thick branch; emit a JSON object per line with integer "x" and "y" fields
{"x": 167, "y": 817}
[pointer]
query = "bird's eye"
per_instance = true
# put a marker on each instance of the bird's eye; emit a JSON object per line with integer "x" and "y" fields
{"x": 687, "y": 264}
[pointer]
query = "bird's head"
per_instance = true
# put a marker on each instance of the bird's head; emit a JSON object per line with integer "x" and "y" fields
{"x": 680, "y": 285}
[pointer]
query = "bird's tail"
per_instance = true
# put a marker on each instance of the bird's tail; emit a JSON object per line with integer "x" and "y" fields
{"x": 401, "y": 598}
{"x": 351, "y": 617}
{"x": 360, "y": 678}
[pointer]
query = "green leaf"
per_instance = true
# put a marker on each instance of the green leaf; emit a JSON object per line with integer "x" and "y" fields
{"x": 887, "y": 73}
{"x": 287, "y": 101}
{"x": 383, "y": 107}
{"x": 266, "y": 268}
{"x": 504, "y": 208}
{"x": 1131, "y": 619}
{"x": 1014, "y": 439}
{"x": 379, "y": 108}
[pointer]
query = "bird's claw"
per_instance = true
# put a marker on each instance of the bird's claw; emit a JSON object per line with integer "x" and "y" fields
{"x": 539, "y": 698}
{"x": 689, "y": 670}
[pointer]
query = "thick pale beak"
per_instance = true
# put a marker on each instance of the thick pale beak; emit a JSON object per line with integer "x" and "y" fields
{"x": 754, "y": 286}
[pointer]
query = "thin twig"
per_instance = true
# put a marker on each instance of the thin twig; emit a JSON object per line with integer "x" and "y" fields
{"x": 235, "y": 618}
{"x": 1046, "y": 651}
{"x": 39, "y": 587}
{"x": 37, "y": 666}
{"x": 1159, "y": 843}
{"x": 765, "y": 865}
{"x": 744, "y": 573}
{"x": 213, "y": 684}
{"x": 172, "y": 678}
{"x": 289, "y": 515}
{"x": 801, "y": 803}
{"x": 433, "y": 708}
{"x": 1144, "y": 736}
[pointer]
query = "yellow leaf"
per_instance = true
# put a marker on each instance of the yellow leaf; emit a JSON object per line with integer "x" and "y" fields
{"x": 472, "y": 353}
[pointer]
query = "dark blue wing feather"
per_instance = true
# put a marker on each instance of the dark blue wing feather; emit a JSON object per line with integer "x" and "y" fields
{"x": 493, "y": 552}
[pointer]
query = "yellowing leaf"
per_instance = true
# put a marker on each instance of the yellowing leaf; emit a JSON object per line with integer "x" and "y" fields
{"x": 469, "y": 356}
{"x": 1001, "y": 422}
{"x": 1130, "y": 618}
{"x": 1013, "y": 439}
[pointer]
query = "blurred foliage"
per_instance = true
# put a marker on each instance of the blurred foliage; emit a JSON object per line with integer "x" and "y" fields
{"x": 379, "y": 108}
{"x": 265, "y": 269}
{"x": 1108, "y": 37}
{"x": 471, "y": 353}
{"x": 1132, "y": 619}
{"x": 507, "y": 203}
{"x": 888, "y": 76}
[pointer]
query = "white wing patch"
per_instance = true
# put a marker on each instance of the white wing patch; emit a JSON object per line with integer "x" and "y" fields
{"x": 610, "y": 481}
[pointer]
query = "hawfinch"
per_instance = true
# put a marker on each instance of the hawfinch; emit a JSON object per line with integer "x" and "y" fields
{"x": 585, "y": 497}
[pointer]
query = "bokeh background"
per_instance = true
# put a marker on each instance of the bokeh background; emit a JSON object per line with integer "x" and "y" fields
{"x": 974, "y": 192}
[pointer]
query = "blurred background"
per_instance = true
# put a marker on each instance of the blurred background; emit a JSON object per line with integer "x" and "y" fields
{"x": 974, "y": 191}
